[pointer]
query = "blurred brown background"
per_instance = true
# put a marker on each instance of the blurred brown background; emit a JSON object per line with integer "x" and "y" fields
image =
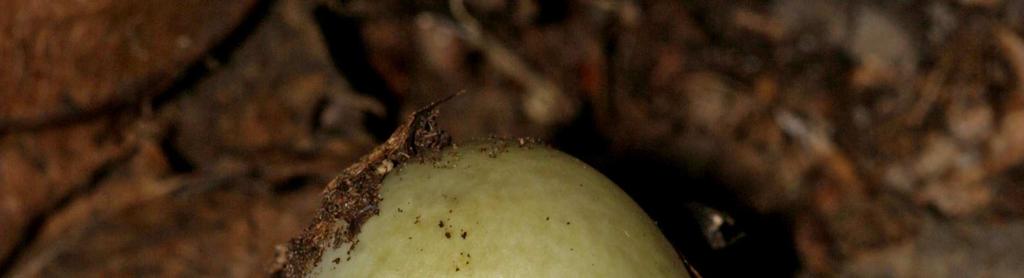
{"x": 190, "y": 138}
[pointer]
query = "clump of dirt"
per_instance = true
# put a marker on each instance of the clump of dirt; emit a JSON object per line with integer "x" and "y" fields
{"x": 353, "y": 197}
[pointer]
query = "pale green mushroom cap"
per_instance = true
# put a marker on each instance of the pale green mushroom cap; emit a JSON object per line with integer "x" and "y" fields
{"x": 517, "y": 211}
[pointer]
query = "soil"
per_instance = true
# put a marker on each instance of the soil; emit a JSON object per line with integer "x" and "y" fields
{"x": 786, "y": 137}
{"x": 353, "y": 197}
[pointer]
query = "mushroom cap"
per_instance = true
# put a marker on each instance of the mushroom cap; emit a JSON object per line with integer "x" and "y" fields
{"x": 503, "y": 209}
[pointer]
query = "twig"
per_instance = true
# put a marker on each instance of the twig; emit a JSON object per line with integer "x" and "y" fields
{"x": 815, "y": 139}
{"x": 542, "y": 96}
{"x": 1013, "y": 48}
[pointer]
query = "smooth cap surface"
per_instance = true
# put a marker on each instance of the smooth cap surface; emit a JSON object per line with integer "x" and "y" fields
{"x": 497, "y": 209}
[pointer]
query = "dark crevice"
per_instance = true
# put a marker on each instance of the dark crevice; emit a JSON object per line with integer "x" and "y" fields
{"x": 293, "y": 184}
{"x": 218, "y": 54}
{"x": 175, "y": 159}
{"x": 30, "y": 233}
{"x": 612, "y": 34}
{"x": 128, "y": 96}
{"x": 581, "y": 138}
{"x": 475, "y": 63}
{"x": 676, "y": 198}
{"x": 343, "y": 35}
{"x": 551, "y": 12}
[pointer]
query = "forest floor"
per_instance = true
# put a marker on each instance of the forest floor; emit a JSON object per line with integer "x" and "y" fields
{"x": 193, "y": 138}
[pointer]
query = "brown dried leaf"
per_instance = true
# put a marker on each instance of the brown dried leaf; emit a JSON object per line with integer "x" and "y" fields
{"x": 65, "y": 59}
